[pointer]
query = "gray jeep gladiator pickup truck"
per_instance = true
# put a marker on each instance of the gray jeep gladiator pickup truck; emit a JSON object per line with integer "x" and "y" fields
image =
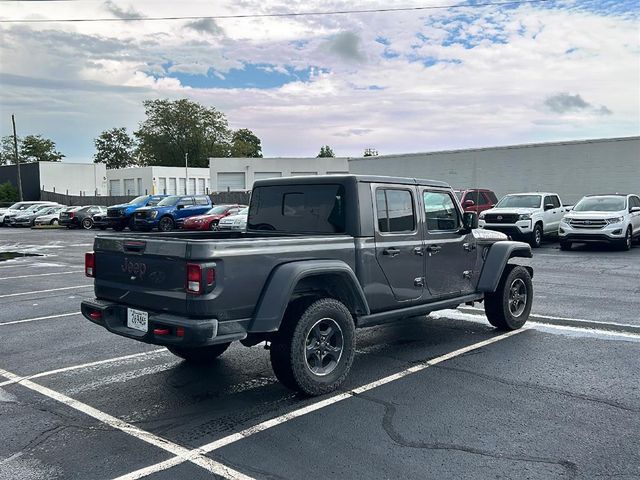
{"x": 320, "y": 257}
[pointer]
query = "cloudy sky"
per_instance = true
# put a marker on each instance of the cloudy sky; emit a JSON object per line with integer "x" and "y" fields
{"x": 398, "y": 82}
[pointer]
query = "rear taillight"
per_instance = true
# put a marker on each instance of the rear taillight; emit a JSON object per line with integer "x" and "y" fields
{"x": 194, "y": 278}
{"x": 199, "y": 278}
{"x": 72, "y": 214}
{"x": 90, "y": 264}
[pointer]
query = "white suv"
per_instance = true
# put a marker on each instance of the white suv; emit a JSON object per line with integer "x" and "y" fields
{"x": 613, "y": 219}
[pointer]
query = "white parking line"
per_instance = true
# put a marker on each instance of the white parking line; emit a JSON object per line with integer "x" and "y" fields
{"x": 45, "y": 291}
{"x": 223, "y": 442}
{"x": 42, "y": 274}
{"x": 148, "y": 437}
{"x": 18, "y": 379}
{"x": 13, "y": 322}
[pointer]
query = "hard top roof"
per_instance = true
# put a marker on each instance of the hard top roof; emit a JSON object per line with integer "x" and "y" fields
{"x": 323, "y": 179}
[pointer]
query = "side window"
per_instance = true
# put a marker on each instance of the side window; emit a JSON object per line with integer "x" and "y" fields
{"x": 186, "y": 201}
{"x": 484, "y": 199}
{"x": 634, "y": 202}
{"x": 492, "y": 198}
{"x": 395, "y": 211}
{"x": 202, "y": 201}
{"x": 547, "y": 200}
{"x": 440, "y": 212}
{"x": 556, "y": 201}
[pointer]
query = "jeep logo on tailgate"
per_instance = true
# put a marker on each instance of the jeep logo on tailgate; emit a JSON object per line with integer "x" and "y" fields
{"x": 135, "y": 268}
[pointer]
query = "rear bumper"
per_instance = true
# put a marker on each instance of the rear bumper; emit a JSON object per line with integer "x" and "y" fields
{"x": 65, "y": 222}
{"x": 197, "y": 332}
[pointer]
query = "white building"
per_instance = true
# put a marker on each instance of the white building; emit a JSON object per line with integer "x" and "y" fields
{"x": 240, "y": 173}
{"x": 573, "y": 168}
{"x": 149, "y": 180}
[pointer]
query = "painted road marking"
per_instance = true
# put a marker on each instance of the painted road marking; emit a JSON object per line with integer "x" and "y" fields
{"x": 18, "y": 379}
{"x": 42, "y": 274}
{"x": 274, "y": 422}
{"x": 13, "y": 322}
{"x": 148, "y": 437}
{"x": 45, "y": 291}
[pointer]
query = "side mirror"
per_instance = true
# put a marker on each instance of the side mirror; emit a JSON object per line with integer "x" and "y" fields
{"x": 634, "y": 210}
{"x": 548, "y": 206}
{"x": 470, "y": 220}
{"x": 468, "y": 203}
{"x": 179, "y": 207}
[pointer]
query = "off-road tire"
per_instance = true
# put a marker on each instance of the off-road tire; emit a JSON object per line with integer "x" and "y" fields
{"x": 199, "y": 354}
{"x": 565, "y": 246}
{"x": 627, "y": 242}
{"x": 497, "y": 304}
{"x": 536, "y": 236}
{"x": 288, "y": 347}
{"x": 166, "y": 224}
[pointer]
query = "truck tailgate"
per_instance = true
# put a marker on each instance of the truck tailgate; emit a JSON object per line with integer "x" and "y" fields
{"x": 145, "y": 273}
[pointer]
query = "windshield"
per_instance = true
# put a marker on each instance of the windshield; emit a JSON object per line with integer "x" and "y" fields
{"x": 244, "y": 211}
{"x": 520, "y": 201}
{"x": 600, "y": 204}
{"x": 459, "y": 194}
{"x": 18, "y": 206}
{"x": 169, "y": 201}
{"x": 220, "y": 209}
{"x": 139, "y": 199}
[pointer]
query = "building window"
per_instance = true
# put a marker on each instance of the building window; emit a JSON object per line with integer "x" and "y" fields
{"x": 114, "y": 187}
{"x": 231, "y": 181}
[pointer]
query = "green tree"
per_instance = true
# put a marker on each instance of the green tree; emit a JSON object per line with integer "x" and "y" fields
{"x": 114, "y": 148}
{"x": 8, "y": 193}
{"x": 7, "y": 156}
{"x": 245, "y": 143}
{"x": 370, "y": 152}
{"x": 326, "y": 151}
{"x": 35, "y": 148}
{"x": 175, "y": 128}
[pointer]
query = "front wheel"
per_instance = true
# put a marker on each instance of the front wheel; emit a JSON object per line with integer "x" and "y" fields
{"x": 166, "y": 224}
{"x": 626, "y": 242}
{"x": 199, "y": 354}
{"x": 213, "y": 226}
{"x": 54, "y": 222}
{"x": 314, "y": 348}
{"x": 509, "y": 306}
{"x": 536, "y": 236}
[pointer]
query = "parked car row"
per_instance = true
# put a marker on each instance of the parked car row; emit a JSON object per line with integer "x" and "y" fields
{"x": 609, "y": 218}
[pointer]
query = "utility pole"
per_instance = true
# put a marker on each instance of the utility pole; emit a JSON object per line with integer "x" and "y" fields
{"x": 15, "y": 152}
{"x": 186, "y": 174}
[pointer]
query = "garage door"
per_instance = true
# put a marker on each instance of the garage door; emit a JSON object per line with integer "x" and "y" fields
{"x": 303, "y": 174}
{"x": 231, "y": 181}
{"x": 114, "y": 187}
{"x": 129, "y": 186}
{"x": 171, "y": 189}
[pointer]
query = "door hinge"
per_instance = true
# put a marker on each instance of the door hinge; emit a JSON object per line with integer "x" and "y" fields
{"x": 469, "y": 246}
{"x": 467, "y": 274}
{"x": 418, "y": 282}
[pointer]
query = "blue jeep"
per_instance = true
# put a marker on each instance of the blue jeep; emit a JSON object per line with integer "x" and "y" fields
{"x": 170, "y": 212}
{"x": 121, "y": 216}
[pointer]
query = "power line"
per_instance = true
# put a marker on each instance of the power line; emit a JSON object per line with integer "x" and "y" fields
{"x": 271, "y": 15}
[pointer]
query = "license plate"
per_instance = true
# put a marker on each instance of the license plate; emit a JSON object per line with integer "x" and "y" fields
{"x": 137, "y": 319}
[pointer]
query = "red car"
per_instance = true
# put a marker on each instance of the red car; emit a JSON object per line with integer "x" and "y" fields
{"x": 476, "y": 199}
{"x": 209, "y": 220}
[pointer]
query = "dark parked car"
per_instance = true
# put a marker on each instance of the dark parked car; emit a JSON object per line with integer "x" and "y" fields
{"x": 476, "y": 199}
{"x": 171, "y": 212}
{"x": 77, "y": 217}
{"x": 121, "y": 216}
{"x": 317, "y": 260}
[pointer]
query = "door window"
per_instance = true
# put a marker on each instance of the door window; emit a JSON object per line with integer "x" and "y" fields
{"x": 556, "y": 201}
{"x": 440, "y": 212}
{"x": 395, "y": 211}
{"x": 186, "y": 201}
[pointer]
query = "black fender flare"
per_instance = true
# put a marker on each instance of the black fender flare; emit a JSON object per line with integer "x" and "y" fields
{"x": 283, "y": 280}
{"x": 496, "y": 261}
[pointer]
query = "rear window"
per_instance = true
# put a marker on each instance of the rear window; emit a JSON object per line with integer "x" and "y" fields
{"x": 298, "y": 209}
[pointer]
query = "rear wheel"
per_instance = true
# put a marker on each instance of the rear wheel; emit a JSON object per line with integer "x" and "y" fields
{"x": 509, "y": 306}
{"x": 166, "y": 224}
{"x": 87, "y": 223}
{"x": 314, "y": 348}
{"x": 199, "y": 354}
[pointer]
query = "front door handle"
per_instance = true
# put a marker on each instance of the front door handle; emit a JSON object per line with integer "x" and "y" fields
{"x": 468, "y": 246}
{"x": 434, "y": 248}
{"x": 418, "y": 251}
{"x": 391, "y": 251}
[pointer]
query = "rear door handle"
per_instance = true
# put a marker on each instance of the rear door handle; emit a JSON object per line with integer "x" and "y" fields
{"x": 391, "y": 251}
{"x": 418, "y": 251}
{"x": 434, "y": 248}
{"x": 468, "y": 246}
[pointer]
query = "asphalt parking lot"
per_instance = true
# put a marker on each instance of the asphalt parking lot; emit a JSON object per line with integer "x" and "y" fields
{"x": 440, "y": 397}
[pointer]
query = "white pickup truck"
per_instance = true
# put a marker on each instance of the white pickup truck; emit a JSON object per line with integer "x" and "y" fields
{"x": 528, "y": 216}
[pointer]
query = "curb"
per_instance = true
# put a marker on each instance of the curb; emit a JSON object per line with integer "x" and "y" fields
{"x": 570, "y": 322}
